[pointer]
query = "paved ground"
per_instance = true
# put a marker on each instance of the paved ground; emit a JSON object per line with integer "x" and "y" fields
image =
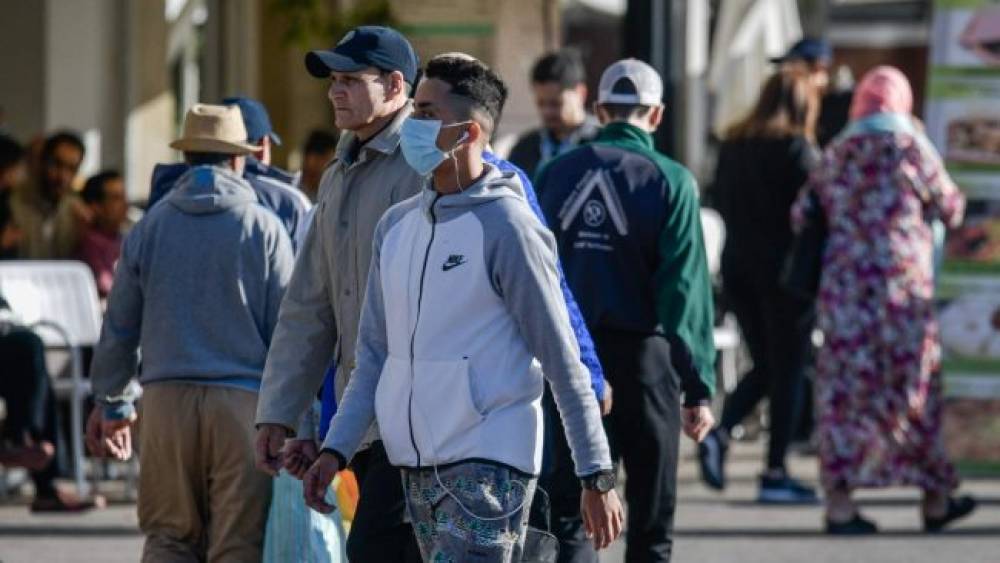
{"x": 732, "y": 528}
{"x": 710, "y": 528}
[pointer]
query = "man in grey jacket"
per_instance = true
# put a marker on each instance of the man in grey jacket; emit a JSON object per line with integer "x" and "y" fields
{"x": 463, "y": 296}
{"x": 371, "y": 71}
{"x": 197, "y": 288}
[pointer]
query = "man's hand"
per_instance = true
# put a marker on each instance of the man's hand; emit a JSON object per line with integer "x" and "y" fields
{"x": 603, "y": 518}
{"x": 298, "y": 456}
{"x": 118, "y": 437}
{"x": 267, "y": 447}
{"x": 106, "y": 437}
{"x": 698, "y": 421}
{"x": 607, "y": 401}
{"x": 317, "y": 481}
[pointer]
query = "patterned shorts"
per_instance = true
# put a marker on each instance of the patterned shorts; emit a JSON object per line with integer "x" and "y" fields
{"x": 447, "y": 532}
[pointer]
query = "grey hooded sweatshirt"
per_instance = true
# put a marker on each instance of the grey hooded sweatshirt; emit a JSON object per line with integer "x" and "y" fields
{"x": 463, "y": 314}
{"x": 197, "y": 288}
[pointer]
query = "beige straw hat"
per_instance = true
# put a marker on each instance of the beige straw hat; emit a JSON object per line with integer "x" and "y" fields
{"x": 215, "y": 129}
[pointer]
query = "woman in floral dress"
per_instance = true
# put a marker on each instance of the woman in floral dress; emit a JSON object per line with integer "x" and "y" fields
{"x": 878, "y": 384}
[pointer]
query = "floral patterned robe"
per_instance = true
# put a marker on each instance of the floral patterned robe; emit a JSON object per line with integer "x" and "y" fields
{"x": 878, "y": 384}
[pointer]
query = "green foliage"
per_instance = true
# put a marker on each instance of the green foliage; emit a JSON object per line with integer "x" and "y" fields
{"x": 309, "y": 23}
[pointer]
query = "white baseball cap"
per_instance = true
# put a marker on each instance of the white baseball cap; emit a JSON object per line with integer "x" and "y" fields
{"x": 632, "y": 82}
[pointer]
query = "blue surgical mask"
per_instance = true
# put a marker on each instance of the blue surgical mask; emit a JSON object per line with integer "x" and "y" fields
{"x": 418, "y": 140}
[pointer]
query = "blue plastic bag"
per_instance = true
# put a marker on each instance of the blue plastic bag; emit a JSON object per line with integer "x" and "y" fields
{"x": 297, "y": 533}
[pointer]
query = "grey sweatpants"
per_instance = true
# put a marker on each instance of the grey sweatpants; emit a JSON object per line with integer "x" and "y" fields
{"x": 448, "y": 533}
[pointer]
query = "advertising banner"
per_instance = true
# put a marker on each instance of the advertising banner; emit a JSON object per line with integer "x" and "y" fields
{"x": 963, "y": 121}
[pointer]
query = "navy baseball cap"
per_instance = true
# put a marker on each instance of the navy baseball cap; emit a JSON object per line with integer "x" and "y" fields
{"x": 367, "y": 46}
{"x": 255, "y": 118}
{"x": 809, "y": 50}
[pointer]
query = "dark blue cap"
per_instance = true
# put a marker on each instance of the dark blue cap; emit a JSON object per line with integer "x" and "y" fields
{"x": 808, "y": 50}
{"x": 367, "y": 46}
{"x": 255, "y": 118}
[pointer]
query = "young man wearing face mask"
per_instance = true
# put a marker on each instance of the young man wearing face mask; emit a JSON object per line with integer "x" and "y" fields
{"x": 463, "y": 296}
{"x": 562, "y": 490}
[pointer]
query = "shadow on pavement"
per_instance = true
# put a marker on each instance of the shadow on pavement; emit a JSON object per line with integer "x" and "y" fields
{"x": 62, "y": 531}
{"x": 815, "y": 533}
{"x": 900, "y": 502}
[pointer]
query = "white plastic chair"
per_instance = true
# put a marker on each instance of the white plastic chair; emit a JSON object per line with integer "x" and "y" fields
{"x": 58, "y": 299}
{"x": 714, "y": 230}
{"x": 727, "y": 335}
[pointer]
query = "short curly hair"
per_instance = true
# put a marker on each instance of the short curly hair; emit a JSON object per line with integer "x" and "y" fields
{"x": 564, "y": 67}
{"x": 93, "y": 190}
{"x": 474, "y": 82}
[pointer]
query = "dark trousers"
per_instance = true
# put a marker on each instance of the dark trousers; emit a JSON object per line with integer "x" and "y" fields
{"x": 644, "y": 433}
{"x": 379, "y": 532}
{"x": 560, "y": 487}
{"x": 26, "y": 389}
{"x": 777, "y": 328}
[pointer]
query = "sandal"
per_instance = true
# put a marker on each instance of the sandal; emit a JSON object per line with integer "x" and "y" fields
{"x": 65, "y": 503}
{"x": 959, "y": 507}
{"x": 856, "y": 526}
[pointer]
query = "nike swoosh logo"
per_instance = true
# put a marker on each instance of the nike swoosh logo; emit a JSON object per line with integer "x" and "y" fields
{"x": 453, "y": 264}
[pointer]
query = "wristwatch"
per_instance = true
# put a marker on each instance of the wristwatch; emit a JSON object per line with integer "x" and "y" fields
{"x": 602, "y": 481}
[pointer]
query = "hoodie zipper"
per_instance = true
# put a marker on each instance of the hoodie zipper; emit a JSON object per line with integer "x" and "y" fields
{"x": 413, "y": 335}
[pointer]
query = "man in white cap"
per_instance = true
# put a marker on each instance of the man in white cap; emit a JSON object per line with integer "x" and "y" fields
{"x": 627, "y": 223}
{"x": 197, "y": 288}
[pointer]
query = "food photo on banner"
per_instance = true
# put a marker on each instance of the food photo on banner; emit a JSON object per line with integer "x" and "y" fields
{"x": 963, "y": 121}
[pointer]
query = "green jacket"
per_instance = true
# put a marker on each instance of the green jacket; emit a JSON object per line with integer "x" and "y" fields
{"x": 628, "y": 223}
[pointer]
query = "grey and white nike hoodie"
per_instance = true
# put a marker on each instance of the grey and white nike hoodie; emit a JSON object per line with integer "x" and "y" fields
{"x": 462, "y": 316}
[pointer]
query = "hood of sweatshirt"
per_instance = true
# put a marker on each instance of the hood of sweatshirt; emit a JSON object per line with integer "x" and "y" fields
{"x": 493, "y": 185}
{"x": 205, "y": 190}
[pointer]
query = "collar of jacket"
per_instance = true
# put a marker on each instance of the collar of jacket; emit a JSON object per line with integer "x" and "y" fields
{"x": 255, "y": 167}
{"x": 625, "y": 134}
{"x": 30, "y": 193}
{"x": 204, "y": 190}
{"x": 586, "y": 131}
{"x": 492, "y": 185}
{"x": 385, "y": 142}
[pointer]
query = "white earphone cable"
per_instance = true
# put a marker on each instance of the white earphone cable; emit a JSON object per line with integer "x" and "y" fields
{"x": 454, "y": 497}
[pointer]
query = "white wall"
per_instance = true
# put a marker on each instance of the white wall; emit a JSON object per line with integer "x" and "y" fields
{"x": 22, "y": 60}
{"x": 83, "y": 75}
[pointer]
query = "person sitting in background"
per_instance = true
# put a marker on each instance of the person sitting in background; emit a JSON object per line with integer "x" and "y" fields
{"x": 197, "y": 289}
{"x": 46, "y": 207}
{"x": 763, "y": 162}
{"x": 272, "y": 185}
{"x": 319, "y": 150}
{"x": 101, "y": 241}
{"x": 30, "y": 436}
{"x": 559, "y": 83}
{"x": 11, "y": 234}
{"x": 12, "y": 163}
{"x": 879, "y": 389}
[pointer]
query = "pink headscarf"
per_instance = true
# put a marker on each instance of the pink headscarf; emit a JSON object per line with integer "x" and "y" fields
{"x": 883, "y": 89}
